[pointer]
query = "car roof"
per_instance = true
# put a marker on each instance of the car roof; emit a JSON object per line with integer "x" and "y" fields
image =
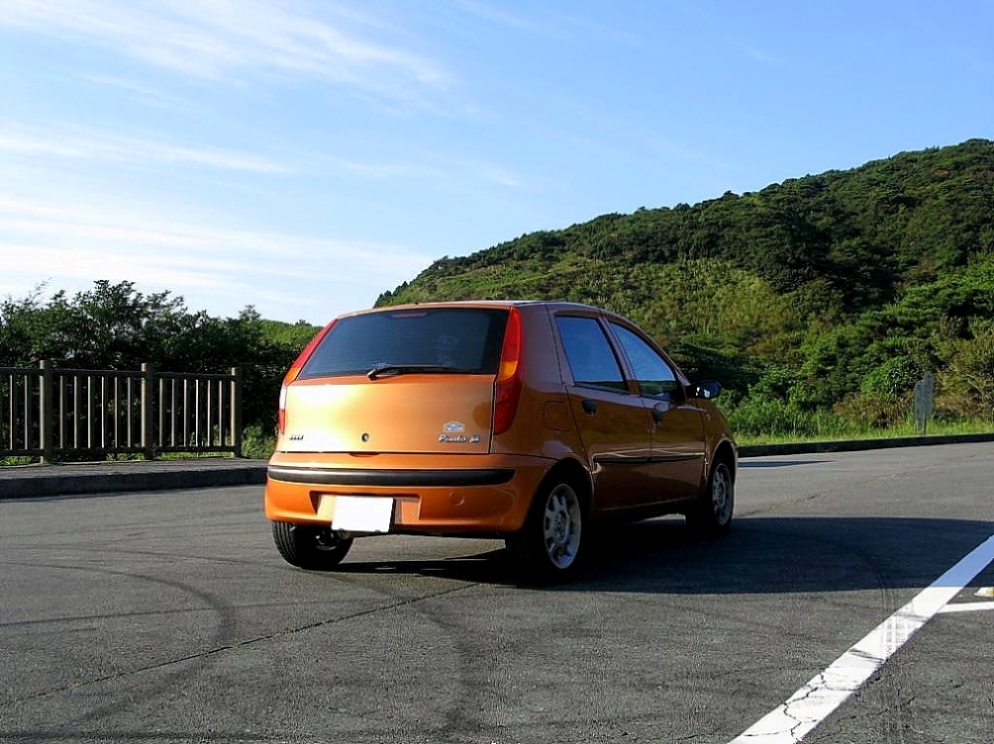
{"x": 553, "y": 304}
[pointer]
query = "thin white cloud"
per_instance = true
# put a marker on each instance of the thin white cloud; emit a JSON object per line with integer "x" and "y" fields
{"x": 495, "y": 14}
{"x": 501, "y": 177}
{"x": 218, "y": 39}
{"x": 760, "y": 56}
{"x": 386, "y": 171}
{"x": 601, "y": 32}
{"x": 624, "y": 138}
{"x": 135, "y": 229}
{"x": 90, "y": 144}
{"x": 672, "y": 150}
{"x": 143, "y": 93}
{"x": 93, "y": 263}
{"x": 76, "y": 143}
{"x": 215, "y": 268}
{"x": 555, "y": 25}
{"x": 425, "y": 165}
{"x": 144, "y": 265}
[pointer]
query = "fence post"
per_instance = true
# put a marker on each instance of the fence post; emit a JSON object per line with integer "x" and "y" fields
{"x": 148, "y": 396}
{"x": 46, "y": 414}
{"x": 236, "y": 411}
{"x": 924, "y": 395}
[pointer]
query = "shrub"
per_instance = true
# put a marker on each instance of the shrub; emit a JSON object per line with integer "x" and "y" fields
{"x": 771, "y": 418}
{"x": 892, "y": 378}
{"x": 256, "y": 444}
{"x": 864, "y": 412}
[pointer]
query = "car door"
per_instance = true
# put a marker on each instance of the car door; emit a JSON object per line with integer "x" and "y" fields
{"x": 611, "y": 418}
{"x": 678, "y": 447}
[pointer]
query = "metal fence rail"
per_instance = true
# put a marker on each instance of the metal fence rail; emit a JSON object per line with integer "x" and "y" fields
{"x": 51, "y": 413}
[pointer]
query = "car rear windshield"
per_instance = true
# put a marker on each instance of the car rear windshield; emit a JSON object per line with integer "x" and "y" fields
{"x": 462, "y": 340}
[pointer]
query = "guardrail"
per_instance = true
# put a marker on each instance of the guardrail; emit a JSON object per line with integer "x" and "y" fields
{"x": 52, "y": 414}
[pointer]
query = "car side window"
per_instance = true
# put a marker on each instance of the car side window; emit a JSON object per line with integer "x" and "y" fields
{"x": 589, "y": 353}
{"x": 656, "y": 378}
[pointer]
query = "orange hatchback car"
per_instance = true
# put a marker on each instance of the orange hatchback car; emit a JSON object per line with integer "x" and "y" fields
{"x": 527, "y": 421}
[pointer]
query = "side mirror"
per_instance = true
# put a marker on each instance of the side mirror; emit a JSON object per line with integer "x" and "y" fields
{"x": 708, "y": 390}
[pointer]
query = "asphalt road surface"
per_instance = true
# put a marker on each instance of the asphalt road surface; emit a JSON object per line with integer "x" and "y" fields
{"x": 169, "y": 617}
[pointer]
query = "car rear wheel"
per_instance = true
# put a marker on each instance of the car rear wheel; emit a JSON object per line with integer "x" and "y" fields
{"x": 549, "y": 546}
{"x": 713, "y": 516}
{"x": 311, "y": 548}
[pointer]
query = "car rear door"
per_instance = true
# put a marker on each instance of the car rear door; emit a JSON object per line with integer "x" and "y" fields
{"x": 612, "y": 421}
{"x": 678, "y": 447}
{"x": 415, "y": 380}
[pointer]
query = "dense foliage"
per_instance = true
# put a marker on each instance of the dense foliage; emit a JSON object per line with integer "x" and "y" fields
{"x": 113, "y": 326}
{"x": 819, "y": 301}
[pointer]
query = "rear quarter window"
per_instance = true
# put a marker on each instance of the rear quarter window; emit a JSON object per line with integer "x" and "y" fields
{"x": 589, "y": 354}
{"x": 466, "y": 339}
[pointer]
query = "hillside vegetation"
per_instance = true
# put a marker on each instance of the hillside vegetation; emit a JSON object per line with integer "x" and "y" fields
{"x": 819, "y": 302}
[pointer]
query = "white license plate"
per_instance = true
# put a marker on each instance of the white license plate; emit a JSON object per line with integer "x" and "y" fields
{"x": 362, "y": 514}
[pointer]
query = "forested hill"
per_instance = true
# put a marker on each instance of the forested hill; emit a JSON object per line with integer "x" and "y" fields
{"x": 827, "y": 293}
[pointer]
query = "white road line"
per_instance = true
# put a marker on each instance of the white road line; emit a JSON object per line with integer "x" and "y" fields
{"x": 968, "y": 607}
{"x": 810, "y": 705}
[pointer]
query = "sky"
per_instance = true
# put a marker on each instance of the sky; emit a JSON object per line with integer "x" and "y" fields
{"x": 303, "y": 156}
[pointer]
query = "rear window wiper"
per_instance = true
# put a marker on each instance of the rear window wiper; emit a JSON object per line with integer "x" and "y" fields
{"x": 387, "y": 368}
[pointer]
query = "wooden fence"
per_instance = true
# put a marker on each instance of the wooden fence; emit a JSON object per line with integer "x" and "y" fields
{"x": 63, "y": 414}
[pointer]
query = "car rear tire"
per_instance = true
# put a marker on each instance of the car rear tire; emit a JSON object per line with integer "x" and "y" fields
{"x": 713, "y": 515}
{"x": 311, "y": 548}
{"x": 549, "y": 548}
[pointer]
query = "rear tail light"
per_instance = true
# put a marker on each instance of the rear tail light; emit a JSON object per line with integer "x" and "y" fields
{"x": 507, "y": 390}
{"x": 294, "y": 370}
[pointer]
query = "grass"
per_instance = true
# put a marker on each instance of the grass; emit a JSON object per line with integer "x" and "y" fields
{"x": 902, "y": 430}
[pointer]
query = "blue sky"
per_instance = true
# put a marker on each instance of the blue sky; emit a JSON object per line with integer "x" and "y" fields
{"x": 303, "y": 157}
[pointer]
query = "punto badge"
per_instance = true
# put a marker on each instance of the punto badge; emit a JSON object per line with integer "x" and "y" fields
{"x": 454, "y": 433}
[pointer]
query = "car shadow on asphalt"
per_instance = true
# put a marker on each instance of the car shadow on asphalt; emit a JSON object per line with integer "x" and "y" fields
{"x": 751, "y": 464}
{"x": 490, "y": 567}
{"x": 760, "y": 555}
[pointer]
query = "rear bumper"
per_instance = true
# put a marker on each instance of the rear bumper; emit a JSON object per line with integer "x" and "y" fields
{"x": 432, "y": 494}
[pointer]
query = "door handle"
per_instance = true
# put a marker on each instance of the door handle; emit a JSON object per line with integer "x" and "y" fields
{"x": 590, "y": 406}
{"x": 658, "y": 415}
